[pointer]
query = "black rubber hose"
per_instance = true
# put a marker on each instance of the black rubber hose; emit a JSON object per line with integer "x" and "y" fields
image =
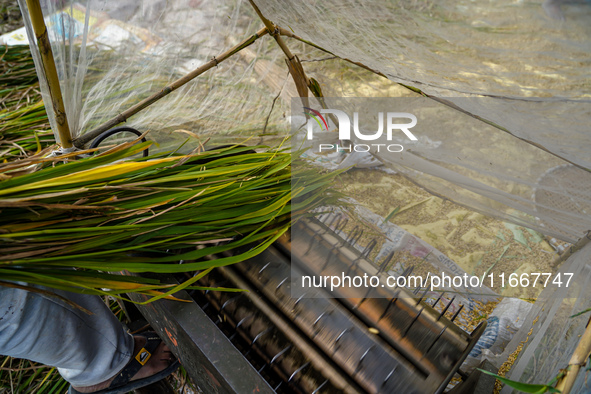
{"x": 114, "y": 131}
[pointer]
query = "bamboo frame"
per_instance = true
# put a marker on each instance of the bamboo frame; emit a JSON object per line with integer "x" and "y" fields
{"x": 296, "y": 70}
{"x": 303, "y": 83}
{"x": 48, "y": 64}
{"x": 274, "y": 31}
{"x": 287, "y": 33}
{"x": 573, "y": 249}
{"x": 122, "y": 117}
{"x": 301, "y": 80}
{"x": 578, "y": 360}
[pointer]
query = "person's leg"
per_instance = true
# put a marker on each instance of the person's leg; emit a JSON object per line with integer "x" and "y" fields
{"x": 87, "y": 349}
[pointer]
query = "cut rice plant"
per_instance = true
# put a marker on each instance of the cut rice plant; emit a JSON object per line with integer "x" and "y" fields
{"x": 78, "y": 225}
{"x": 24, "y": 127}
{"x": 24, "y": 132}
{"x": 27, "y": 377}
{"x": 19, "y": 85}
{"x": 17, "y": 66}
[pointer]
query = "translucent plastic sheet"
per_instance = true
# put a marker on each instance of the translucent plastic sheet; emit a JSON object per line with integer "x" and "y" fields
{"x": 502, "y": 49}
{"x": 549, "y": 334}
{"x": 110, "y": 55}
{"x": 474, "y": 163}
{"x": 524, "y": 68}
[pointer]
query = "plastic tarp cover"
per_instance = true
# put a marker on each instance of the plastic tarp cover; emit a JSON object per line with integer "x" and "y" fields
{"x": 535, "y": 70}
{"x": 113, "y": 54}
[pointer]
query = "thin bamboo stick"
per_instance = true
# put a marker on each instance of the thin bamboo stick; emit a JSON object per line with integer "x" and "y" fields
{"x": 287, "y": 33}
{"x": 296, "y": 70}
{"x": 578, "y": 359}
{"x": 274, "y": 31}
{"x": 48, "y": 64}
{"x": 122, "y": 117}
{"x": 302, "y": 82}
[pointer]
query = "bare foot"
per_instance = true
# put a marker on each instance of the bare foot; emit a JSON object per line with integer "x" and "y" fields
{"x": 160, "y": 360}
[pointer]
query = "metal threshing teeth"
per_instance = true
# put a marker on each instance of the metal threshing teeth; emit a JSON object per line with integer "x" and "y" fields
{"x": 373, "y": 340}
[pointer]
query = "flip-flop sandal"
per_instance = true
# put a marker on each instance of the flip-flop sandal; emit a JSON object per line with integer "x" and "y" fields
{"x": 122, "y": 384}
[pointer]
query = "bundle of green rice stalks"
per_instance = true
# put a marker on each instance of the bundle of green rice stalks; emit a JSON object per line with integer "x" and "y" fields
{"x": 19, "y": 85}
{"x": 24, "y": 132}
{"x": 24, "y": 127}
{"x": 79, "y": 225}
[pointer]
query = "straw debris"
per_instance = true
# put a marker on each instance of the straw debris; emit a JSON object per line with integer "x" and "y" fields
{"x": 506, "y": 366}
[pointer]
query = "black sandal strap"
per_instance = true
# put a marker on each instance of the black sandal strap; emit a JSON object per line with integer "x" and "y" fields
{"x": 138, "y": 360}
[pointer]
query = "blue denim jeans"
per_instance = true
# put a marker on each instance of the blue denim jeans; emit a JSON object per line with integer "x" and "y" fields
{"x": 86, "y": 348}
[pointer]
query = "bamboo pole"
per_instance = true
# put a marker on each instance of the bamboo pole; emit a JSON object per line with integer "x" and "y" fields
{"x": 48, "y": 64}
{"x": 302, "y": 82}
{"x": 573, "y": 249}
{"x": 122, "y": 117}
{"x": 287, "y": 33}
{"x": 293, "y": 63}
{"x": 274, "y": 31}
{"x": 578, "y": 359}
